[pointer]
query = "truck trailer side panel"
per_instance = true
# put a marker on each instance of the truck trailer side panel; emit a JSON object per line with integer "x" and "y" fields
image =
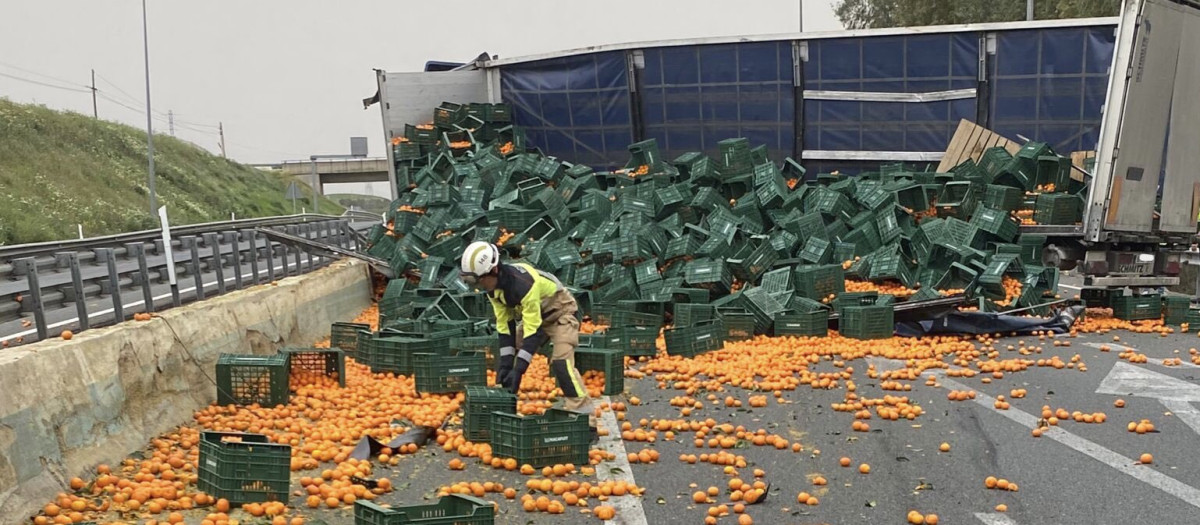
{"x": 1181, "y": 191}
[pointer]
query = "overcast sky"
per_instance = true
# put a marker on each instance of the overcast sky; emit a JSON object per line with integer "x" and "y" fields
{"x": 286, "y": 78}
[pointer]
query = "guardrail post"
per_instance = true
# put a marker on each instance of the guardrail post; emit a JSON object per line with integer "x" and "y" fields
{"x": 196, "y": 272}
{"x": 114, "y": 282}
{"x": 218, "y": 265}
{"x": 71, "y": 260}
{"x": 250, "y": 236}
{"x": 235, "y": 257}
{"x": 28, "y": 266}
{"x": 351, "y": 242}
{"x": 137, "y": 249}
{"x": 269, "y": 251}
{"x": 299, "y": 260}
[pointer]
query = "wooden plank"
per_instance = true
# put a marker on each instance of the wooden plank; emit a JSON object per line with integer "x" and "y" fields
{"x": 1078, "y": 159}
{"x": 958, "y": 143}
{"x": 976, "y": 145}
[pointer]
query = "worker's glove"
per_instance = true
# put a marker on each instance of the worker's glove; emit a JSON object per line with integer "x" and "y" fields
{"x": 521, "y": 364}
{"x": 507, "y": 354}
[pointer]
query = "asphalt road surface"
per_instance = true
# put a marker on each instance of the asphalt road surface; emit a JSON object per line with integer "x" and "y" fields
{"x": 1076, "y": 473}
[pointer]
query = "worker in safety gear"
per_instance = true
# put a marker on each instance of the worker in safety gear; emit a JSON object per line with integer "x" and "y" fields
{"x": 531, "y": 307}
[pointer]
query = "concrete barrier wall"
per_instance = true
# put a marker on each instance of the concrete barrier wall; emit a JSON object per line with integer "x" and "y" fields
{"x": 67, "y": 406}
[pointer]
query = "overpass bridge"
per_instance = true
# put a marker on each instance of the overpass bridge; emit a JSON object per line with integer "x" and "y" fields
{"x": 322, "y": 170}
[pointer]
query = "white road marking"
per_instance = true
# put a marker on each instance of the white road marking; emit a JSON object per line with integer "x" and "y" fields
{"x": 629, "y": 507}
{"x": 1145, "y": 474}
{"x": 127, "y": 306}
{"x": 1184, "y": 411}
{"x": 994, "y": 519}
{"x": 1127, "y": 379}
{"x": 1155, "y": 361}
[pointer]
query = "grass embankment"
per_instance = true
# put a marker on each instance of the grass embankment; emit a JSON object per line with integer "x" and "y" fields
{"x": 59, "y": 169}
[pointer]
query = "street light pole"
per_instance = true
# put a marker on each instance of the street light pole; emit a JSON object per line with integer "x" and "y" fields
{"x": 149, "y": 121}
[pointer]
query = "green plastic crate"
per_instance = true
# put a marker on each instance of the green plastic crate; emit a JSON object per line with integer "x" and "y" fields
{"x": 488, "y": 345}
{"x": 737, "y": 326}
{"x": 443, "y": 374}
{"x": 324, "y": 361}
{"x": 244, "y": 468}
{"x": 1176, "y": 308}
{"x": 708, "y": 273}
{"x": 1005, "y": 198}
{"x": 694, "y": 340}
{"x": 808, "y": 324}
{"x": 556, "y": 437}
{"x": 1058, "y": 209}
{"x": 634, "y": 341}
{"x": 996, "y": 222}
{"x": 867, "y": 322}
{"x": 622, "y": 317}
{"x": 384, "y": 353}
{"x": 344, "y": 336}
{"x": 816, "y": 251}
{"x": 688, "y": 314}
{"x": 778, "y": 280}
{"x": 480, "y": 402}
{"x": 607, "y": 360}
{"x": 454, "y": 509}
{"x": 1137, "y": 307}
{"x": 819, "y": 282}
{"x": 250, "y": 379}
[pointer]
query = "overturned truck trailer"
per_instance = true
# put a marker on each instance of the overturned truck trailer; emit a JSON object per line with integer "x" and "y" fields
{"x": 850, "y": 100}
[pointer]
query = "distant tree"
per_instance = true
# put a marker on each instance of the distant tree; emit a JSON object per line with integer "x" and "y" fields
{"x": 865, "y": 14}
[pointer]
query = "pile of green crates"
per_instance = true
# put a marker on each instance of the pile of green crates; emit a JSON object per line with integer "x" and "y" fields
{"x": 454, "y": 509}
{"x": 738, "y": 232}
{"x": 244, "y": 468}
{"x": 555, "y": 437}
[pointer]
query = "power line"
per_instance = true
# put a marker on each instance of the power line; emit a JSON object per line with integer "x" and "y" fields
{"x": 43, "y": 75}
{"x": 118, "y": 88}
{"x": 44, "y": 84}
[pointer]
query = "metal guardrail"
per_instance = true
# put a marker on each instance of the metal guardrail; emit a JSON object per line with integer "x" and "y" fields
{"x": 81, "y": 284}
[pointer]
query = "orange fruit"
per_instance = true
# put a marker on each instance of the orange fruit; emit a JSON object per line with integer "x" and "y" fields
{"x": 745, "y": 519}
{"x": 67, "y": 335}
{"x": 864, "y": 468}
{"x": 605, "y": 512}
{"x": 1146, "y": 459}
{"x": 931, "y": 519}
{"x": 944, "y": 447}
{"x": 699, "y": 497}
{"x": 845, "y": 462}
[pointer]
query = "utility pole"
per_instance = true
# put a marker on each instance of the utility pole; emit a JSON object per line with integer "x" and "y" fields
{"x": 221, "y": 130}
{"x": 149, "y": 121}
{"x": 171, "y": 121}
{"x": 1029, "y": 10}
{"x": 95, "y": 112}
{"x": 801, "y": 16}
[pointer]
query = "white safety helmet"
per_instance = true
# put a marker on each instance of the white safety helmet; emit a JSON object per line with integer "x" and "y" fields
{"x": 479, "y": 259}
